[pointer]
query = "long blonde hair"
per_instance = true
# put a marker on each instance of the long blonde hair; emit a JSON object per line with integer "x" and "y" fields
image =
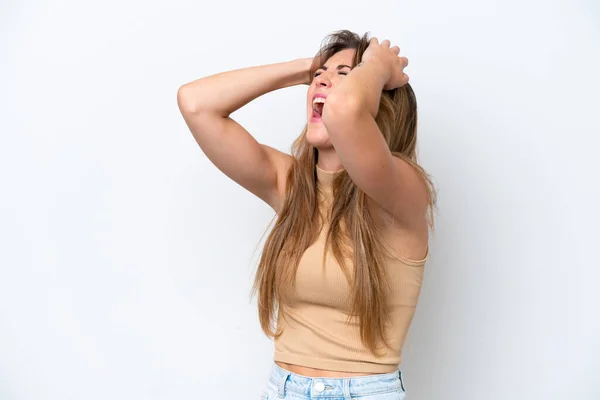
{"x": 351, "y": 226}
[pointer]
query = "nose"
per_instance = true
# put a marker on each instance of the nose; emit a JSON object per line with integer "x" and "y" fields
{"x": 323, "y": 80}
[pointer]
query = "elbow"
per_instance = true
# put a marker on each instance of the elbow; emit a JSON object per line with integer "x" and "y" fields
{"x": 185, "y": 101}
{"x": 193, "y": 100}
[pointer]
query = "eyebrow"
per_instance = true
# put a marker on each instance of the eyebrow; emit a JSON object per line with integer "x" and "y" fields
{"x": 341, "y": 66}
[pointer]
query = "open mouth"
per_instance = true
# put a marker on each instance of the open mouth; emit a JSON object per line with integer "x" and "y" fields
{"x": 317, "y": 106}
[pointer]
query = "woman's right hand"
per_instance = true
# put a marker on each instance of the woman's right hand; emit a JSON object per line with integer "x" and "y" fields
{"x": 307, "y": 67}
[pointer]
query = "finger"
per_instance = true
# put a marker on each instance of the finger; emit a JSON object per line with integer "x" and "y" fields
{"x": 396, "y": 50}
{"x": 373, "y": 41}
{"x": 404, "y": 61}
{"x": 386, "y": 43}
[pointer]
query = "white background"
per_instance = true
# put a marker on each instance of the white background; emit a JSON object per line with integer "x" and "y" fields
{"x": 126, "y": 258}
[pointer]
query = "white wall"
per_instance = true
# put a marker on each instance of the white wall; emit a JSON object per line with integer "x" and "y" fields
{"x": 126, "y": 258}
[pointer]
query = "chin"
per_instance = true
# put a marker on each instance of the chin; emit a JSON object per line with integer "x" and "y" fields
{"x": 318, "y": 137}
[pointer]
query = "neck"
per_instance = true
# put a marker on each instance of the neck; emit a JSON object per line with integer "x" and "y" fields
{"x": 328, "y": 160}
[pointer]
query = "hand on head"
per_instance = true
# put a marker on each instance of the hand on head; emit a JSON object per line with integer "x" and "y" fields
{"x": 390, "y": 58}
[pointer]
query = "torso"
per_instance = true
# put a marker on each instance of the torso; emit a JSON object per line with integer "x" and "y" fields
{"x": 408, "y": 242}
{"x": 317, "y": 373}
{"x": 411, "y": 244}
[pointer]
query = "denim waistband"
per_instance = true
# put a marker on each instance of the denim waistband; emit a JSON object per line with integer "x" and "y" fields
{"x": 346, "y": 388}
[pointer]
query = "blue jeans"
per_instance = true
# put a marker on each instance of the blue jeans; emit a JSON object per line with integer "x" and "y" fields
{"x": 283, "y": 384}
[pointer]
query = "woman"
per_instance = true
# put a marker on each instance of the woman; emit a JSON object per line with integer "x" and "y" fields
{"x": 338, "y": 317}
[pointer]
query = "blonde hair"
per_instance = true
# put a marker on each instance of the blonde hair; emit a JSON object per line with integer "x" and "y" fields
{"x": 352, "y": 232}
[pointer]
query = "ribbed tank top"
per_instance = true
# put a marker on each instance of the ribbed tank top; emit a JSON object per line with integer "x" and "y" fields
{"x": 316, "y": 331}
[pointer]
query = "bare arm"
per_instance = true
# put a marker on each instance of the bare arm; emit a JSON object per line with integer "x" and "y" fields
{"x": 350, "y": 120}
{"x": 206, "y": 105}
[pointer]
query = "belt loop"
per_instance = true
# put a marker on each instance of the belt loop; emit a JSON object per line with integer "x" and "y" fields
{"x": 346, "y": 384}
{"x": 401, "y": 381}
{"x": 281, "y": 386}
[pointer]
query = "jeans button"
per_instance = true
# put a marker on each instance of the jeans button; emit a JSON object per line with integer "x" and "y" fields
{"x": 319, "y": 386}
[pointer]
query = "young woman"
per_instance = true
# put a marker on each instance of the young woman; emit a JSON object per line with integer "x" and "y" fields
{"x": 341, "y": 271}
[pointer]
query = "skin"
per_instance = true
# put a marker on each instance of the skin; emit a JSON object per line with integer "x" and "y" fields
{"x": 346, "y": 136}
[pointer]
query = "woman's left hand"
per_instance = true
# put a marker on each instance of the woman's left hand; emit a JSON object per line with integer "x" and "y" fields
{"x": 390, "y": 59}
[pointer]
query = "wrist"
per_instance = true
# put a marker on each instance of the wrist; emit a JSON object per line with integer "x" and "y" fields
{"x": 379, "y": 67}
{"x": 301, "y": 68}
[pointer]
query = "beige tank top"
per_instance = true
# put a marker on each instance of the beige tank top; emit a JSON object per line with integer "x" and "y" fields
{"x": 316, "y": 332}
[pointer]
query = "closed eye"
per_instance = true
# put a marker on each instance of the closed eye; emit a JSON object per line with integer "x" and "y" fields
{"x": 340, "y": 73}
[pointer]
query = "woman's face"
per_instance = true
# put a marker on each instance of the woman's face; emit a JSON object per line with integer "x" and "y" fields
{"x": 326, "y": 78}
